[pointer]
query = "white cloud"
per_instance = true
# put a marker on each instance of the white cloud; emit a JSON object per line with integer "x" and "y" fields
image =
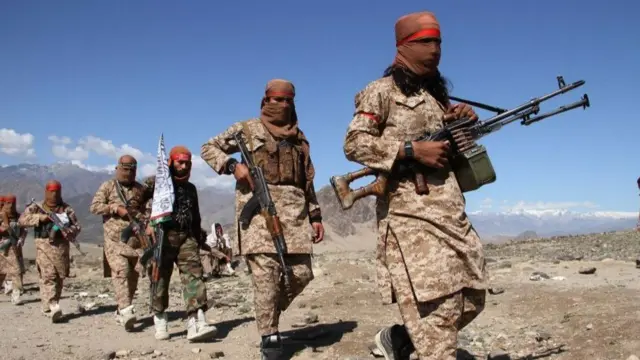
{"x": 201, "y": 174}
{"x": 60, "y": 149}
{"x": 16, "y": 144}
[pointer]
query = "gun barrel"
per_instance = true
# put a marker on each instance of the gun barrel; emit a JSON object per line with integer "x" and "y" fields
{"x": 534, "y": 102}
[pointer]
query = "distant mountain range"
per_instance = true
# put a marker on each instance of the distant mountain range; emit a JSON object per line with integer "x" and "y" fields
{"x": 79, "y": 185}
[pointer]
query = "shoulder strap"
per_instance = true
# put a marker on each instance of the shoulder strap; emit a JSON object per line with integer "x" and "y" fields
{"x": 247, "y": 134}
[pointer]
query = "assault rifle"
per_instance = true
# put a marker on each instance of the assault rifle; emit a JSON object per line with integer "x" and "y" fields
{"x": 261, "y": 202}
{"x": 64, "y": 229}
{"x": 11, "y": 232}
{"x": 473, "y": 168}
{"x": 135, "y": 227}
{"x": 154, "y": 253}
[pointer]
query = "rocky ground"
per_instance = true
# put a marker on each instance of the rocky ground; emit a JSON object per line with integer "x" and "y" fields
{"x": 561, "y": 298}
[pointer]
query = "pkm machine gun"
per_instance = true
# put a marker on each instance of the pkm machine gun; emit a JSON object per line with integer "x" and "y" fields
{"x": 473, "y": 168}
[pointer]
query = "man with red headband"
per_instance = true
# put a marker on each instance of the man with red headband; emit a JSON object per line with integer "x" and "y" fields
{"x": 280, "y": 148}
{"x": 52, "y": 249}
{"x": 118, "y": 201}
{"x": 11, "y": 241}
{"x": 429, "y": 257}
{"x": 182, "y": 243}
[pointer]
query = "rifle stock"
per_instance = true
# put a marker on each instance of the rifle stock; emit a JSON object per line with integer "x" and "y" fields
{"x": 347, "y": 196}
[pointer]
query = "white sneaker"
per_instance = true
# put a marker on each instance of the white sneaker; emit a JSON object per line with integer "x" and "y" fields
{"x": 8, "y": 287}
{"x": 56, "y": 313}
{"x": 160, "y": 322}
{"x": 198, "y": 329}
{"x": 15, "y": 298}
{"x": 126, "y": 317}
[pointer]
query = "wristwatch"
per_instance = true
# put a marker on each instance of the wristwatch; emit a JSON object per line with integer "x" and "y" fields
{"x": 231, "y": 166}
{"x": 408, "y": 150}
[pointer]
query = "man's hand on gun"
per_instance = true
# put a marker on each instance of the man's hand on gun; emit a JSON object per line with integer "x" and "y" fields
{"x": 241, "y": 173}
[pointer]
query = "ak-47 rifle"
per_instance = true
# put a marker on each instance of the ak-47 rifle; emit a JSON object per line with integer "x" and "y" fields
{"x": 58, "y": 225}
{"x": 473, "y": 168}
{"x": 135, "y": 227}
{"x": 13, "y": 232}
{"x": 261, "y": 202}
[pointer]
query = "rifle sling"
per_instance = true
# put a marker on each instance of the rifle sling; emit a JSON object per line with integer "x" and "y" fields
{"x": 247, "y": 134}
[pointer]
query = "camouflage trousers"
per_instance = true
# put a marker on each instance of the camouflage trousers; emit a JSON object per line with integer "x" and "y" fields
{"x": 187, "y": 258}
{"x": 11, "y": 267}
{"x": 269, "y": 296}
{"x": 121, "y": 261}
{"x": 433, "y": 326}
{"x": 52, "y": 261}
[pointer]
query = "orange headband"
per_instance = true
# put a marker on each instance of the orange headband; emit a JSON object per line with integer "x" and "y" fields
{"x": 424, "y": 33}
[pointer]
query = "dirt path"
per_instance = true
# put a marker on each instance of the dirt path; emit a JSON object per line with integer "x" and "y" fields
{"x": 560, "y": 314}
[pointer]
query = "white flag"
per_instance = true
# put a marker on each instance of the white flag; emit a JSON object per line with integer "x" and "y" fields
{"x": 163, "y": 196}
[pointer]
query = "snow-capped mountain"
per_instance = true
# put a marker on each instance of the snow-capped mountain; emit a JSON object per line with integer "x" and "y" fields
{"x": 550, "y": 222}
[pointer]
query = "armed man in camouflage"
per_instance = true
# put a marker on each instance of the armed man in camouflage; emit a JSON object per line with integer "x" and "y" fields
{"x": 430, "y": 259}
{"x": 52, "y": 249}
{"x": 119, "y": 200}
{"x": 182, "y": 243}
{"x": 11, "y": 241}
{"x": 282, "y": 151}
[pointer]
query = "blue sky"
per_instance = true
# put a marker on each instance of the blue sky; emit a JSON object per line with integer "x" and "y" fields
{"x": 91, "y": 72}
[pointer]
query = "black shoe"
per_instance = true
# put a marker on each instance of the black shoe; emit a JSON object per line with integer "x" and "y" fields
{"x": 271, "y": 347}
{"x": 394, "y": 343}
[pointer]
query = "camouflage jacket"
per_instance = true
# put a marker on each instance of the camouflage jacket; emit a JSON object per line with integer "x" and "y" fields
{"x": 106, "y": 202}
{"x": 383, "y": 120}
{"x": 296, "y": 206}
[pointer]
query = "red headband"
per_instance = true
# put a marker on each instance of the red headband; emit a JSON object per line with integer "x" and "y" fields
{"x": 53, "y": 187}
{"x": 9, "y": 199}
{"x": 424, "y": 33}
{"x": 181, "y": 157}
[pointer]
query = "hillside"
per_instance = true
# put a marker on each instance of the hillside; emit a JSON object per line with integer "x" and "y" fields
{"x": 79, "y": 185}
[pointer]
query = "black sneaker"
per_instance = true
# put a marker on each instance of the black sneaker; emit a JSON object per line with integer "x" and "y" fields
{"x": 271, "y": 347}
{"x": 394, "y": 343}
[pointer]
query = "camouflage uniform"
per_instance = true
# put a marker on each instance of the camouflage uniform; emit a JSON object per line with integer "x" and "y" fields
{"x": 290, "y": 182}
{"x": 183, "y": 238}
{"x": 11, "y": 259}
{"x": 52, "y": 255}
{"x": 429, "y": 257}
{"x": 118, "y": 257}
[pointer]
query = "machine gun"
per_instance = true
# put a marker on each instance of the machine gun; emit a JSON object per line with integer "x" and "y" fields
{"x": 64, "y": 229}
{"x": 473, "y": 168}
{"x": 261, "y": 202}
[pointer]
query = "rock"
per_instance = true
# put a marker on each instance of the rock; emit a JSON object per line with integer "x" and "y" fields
{"x": 122, "y": 353}
{"x": 587, "y": 270}
{"x": 157, "y": 352}
{"x": 538, "y": 275}
{"x": 498, "y": 355}
{"x": 496, "y": 291}
{"x": 311, "y": 318}
{"x": 196, "y": 350}
{"x": 110, "y": 355}
{"x": 542, "y": 336}
{"x": 633, "y": 357}
{"x": 216, "y": 355}
{"x": 589, "y": 326}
